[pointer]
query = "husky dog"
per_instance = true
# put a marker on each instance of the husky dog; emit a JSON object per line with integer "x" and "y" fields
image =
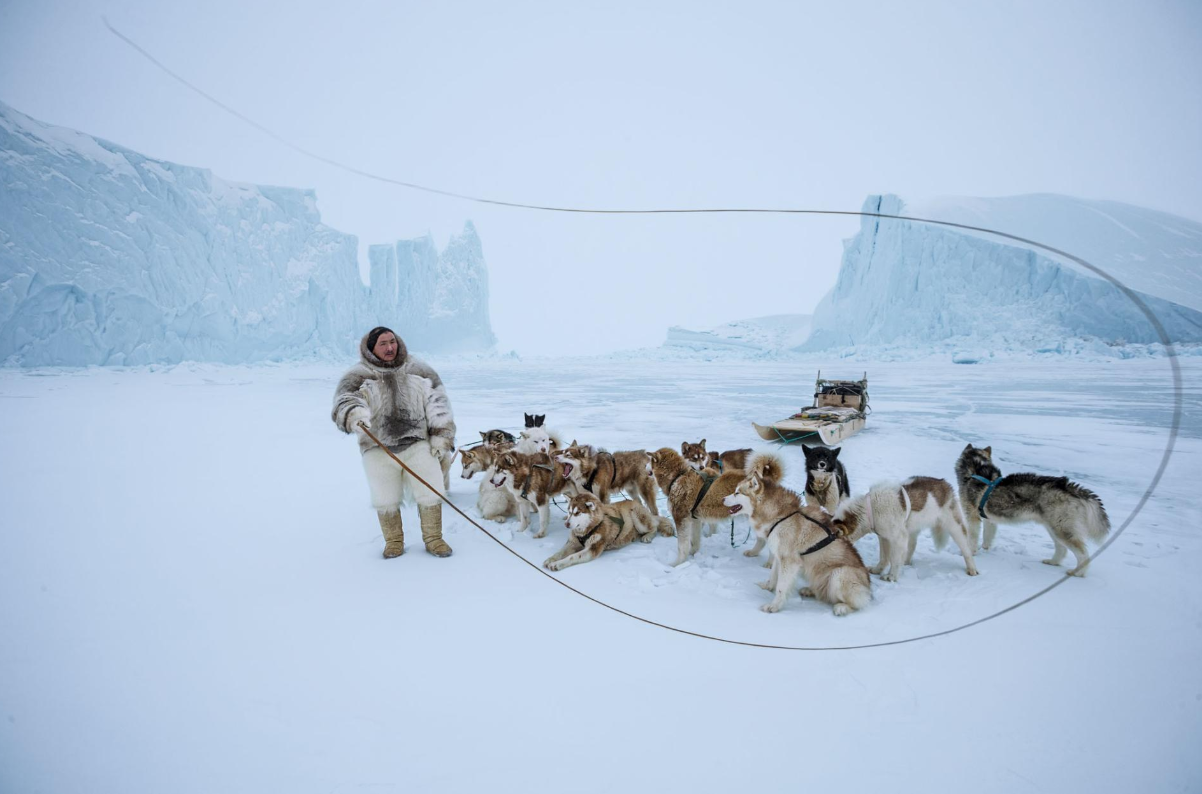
{"x": 826, "y": 478}
{"x": 699, "y": 459}
{"x": 603, "y": 473}
{"x": 897, "y": 513}
{"x": 497, "y": 440}
{"x": 596, "y": 527}
{"x": 693, "y": 499}
{"x": 1071, "y": 513}
{"x": 495, "y": 504}
{"x": 533, "y": 480}
{"x": 802, "y": 543}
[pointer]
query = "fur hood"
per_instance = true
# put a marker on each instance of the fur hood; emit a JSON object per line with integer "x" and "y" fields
{"x": 372, "y": 360}
{"x": 403, "y": 401}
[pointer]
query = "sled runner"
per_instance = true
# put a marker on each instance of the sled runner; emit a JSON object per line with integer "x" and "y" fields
{"x": 838, "y": 412}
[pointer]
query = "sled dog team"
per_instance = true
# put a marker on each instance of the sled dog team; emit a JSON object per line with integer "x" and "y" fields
{"x": 808, "y": 535}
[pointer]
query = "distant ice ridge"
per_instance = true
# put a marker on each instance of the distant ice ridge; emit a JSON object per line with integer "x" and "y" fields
{"x": 760, "y": 335}
{"x": 112, "y": 258}
{"x": 904, "y": 284}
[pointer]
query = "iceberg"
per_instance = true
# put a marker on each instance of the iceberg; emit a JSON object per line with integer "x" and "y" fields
{"x": 909, "y": 284}
{"x": 109, "y": 257}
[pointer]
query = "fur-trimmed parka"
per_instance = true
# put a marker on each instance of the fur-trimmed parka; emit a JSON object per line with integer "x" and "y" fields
{"x": 403, "y": 401}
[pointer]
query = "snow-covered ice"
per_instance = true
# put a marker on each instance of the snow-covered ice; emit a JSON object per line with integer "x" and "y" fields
{"x": 192, "y": 596}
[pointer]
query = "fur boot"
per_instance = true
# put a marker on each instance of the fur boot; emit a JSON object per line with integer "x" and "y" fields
{"x": 394, "y": 534}
{"x": 431, "y": 516}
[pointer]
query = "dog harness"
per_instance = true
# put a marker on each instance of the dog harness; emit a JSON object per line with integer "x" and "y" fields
{"x": 989, "y": 486}
{"x": 612, "y": 477}
{"x": 786, "y": 518}
{"x": 526, "y": 484}
{"x": 830, "y": 538}
{"x": 706, "y": 482}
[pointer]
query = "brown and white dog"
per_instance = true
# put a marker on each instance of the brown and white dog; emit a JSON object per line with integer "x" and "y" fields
{"x": 596, "y": 527}
{"x": 533, "y": 480}
{"x": 699, "y": 459}
{"x": 897, "y": 513}
{"x": 693, "y": 498}
{"x": 604, "y": 473}
{"x": 494, "y": 503}
{"x": 802, "y": 543}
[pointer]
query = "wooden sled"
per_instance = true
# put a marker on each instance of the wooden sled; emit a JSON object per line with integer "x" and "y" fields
{"x": 838, "y": 413}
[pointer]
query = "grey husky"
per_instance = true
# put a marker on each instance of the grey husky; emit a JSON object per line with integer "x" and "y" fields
{"x": 1071, "y": 513}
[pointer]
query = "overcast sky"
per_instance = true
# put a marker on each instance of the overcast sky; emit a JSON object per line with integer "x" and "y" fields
{"x": 636, "y": 105}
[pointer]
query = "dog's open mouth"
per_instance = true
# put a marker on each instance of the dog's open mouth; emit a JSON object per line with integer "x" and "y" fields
{"x": 567, "y": 470}
{"x": 736, "y": 509}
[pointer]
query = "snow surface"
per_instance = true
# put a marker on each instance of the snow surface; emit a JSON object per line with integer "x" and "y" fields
{"x": 192, "y": 597}
{"x": 110, "y": 257}
{"x": 908, "y": 284}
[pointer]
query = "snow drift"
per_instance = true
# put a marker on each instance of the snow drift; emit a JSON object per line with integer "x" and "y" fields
{"x": 111, "y": 257}
{"x": 759, "y": 335}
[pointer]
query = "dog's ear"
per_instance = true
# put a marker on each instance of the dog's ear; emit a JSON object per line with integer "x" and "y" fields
{"x": 538, "y": 420}
{"x": 988, "y": 452}
{"x": 809, "y": 452}
{"x": 967, "y": 449}
{"x": 753, "y": 484}
{"x": 529, "y": 420}
{"x": 835, "y": 453}
{"x": 701, "y": 443}
{"x": 484, "y": 435}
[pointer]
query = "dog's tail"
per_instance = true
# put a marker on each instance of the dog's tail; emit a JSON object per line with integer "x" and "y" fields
{"x": 664, "y": 527}
{"x": 939, "y": 535}
{"x": 767, "y": 466}
{"x": 1094, "y": 518}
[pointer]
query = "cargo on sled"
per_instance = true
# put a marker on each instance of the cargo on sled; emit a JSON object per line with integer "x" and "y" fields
{"x": 839, "y": 410}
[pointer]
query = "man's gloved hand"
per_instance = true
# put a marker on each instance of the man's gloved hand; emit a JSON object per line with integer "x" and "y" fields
{"x": 358, "y": 415}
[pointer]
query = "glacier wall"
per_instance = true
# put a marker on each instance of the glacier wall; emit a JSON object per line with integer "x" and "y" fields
{"x": 109, "y": 257}
{"x": 911, "y": 284}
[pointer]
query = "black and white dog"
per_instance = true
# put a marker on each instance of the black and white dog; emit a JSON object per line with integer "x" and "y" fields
{"x": 826, "y": 478}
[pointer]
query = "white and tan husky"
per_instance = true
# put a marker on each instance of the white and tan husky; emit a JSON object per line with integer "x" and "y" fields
{"x": 533, "y": 480}
{"x": 596, "y": 527}
{"x": 494, "y": 503}
{"x": 897, "y": 513}
{"x": 801, "y": 541}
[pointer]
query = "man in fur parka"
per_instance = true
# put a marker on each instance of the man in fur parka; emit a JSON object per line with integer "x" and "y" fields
{"x": 403, "y": 402}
